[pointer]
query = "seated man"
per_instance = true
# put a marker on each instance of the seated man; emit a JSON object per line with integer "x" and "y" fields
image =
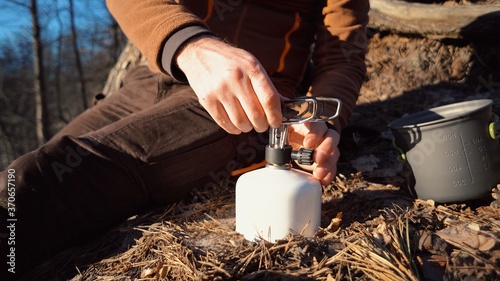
{"x": 217, "y": 73}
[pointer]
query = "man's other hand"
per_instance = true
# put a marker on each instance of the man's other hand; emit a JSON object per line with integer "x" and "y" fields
{"x": 324, "y": 141}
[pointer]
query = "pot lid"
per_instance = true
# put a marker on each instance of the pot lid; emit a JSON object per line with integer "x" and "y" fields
{"x": 441, "y": 114}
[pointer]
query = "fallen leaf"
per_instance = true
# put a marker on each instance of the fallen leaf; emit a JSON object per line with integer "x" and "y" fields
{"x": 335, "y": 223}
{"x": 463, "y": 234}
{"x": 148, "y": 272}
{"x": 381, "y": 234}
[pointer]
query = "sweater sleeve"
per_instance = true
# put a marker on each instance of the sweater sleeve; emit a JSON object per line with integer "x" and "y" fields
{"x": 339, "y": 54}
{"x": 158, "y": 28}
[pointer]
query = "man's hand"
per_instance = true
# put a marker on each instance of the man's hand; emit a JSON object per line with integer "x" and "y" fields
{"x": 231, "y": 84}
{"x": 324, "y": 141}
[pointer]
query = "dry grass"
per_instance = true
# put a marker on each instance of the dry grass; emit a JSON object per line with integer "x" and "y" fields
{"x": 197, "y": 241}
{"x": 384, "y": 254}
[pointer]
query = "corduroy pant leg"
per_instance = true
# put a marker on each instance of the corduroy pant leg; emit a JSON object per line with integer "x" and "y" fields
{"x": 148, "y": 144}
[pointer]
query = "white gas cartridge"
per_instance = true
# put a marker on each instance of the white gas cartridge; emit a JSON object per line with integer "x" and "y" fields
{"x": 277, "y": 200}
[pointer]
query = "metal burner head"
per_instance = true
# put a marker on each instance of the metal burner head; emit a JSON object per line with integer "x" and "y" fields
{"x": 296, "y": 111}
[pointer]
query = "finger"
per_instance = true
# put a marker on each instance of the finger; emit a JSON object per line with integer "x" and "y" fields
{"x": 268, "y": 97}
{"x": 253, "y": 110}
{"x": 327, "y": 179}
{"x": 327, "y": 147}
{"x": 220, "y": 116}
{"x": 297, "y": 133}
{"x": 316, "y": 134}
{"x": 237, "y": 116}
{"x": 326, "y": 172}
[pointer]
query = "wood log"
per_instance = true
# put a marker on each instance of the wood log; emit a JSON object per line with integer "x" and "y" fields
{"x": 129, "y": 57}
{"x": 473, "y": 22}
{"x": 429, "y": 20}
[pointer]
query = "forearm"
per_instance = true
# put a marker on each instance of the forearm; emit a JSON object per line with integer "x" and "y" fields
{"x": 339, "y": 67}
{"x": 154, "y": 24}
{"x": 344, "y": 83}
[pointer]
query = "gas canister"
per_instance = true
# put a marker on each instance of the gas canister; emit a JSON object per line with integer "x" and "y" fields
{"x": 277, "y": 200}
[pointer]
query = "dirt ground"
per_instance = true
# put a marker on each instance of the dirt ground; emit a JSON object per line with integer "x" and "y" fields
{"x": 372, "y": 228}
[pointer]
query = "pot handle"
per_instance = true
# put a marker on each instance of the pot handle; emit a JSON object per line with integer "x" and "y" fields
{"x": 494, "y": 128}
{"x": 402, "y": 155}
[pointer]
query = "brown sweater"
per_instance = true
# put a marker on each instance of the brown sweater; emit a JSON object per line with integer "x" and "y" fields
{"x": 283, "y": 35}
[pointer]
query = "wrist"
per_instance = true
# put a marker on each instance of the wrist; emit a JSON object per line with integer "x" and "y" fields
{"x": 172, "y": 46}
{"x": 188, "y": 50}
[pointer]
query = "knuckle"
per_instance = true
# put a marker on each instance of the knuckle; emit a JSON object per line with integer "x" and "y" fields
{"x": 235, "y": 74}
{"x": 245, "y": 127}
{"x": 261, "y": 129}
{"x": 252, "y": 66}
{"x": 241, "y": 123}
{"x": 250, "y": 60}
{"x": 334, "y": 136}
{"x": 268, "y": 99}
{"x": 256, "y": 115}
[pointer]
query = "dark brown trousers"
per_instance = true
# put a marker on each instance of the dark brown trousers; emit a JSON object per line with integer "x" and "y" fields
{"x": 148, "y": 144}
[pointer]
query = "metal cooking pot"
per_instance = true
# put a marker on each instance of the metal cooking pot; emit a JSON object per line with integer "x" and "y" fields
{"x": 452, "y": 152}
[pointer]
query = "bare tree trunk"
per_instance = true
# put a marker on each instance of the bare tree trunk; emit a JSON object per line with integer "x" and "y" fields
{"x": 42, "y": 122}
{"x": 76, "y": 51}
{"x": 117, "y": 39}
{"x": 57, "y": 71}
{"x": 6, "y": 146}
{"x": 57, "y": 78}
{"x": 130, "y": 57}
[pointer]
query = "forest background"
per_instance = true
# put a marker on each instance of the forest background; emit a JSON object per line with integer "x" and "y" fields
{"x": 55, "y": 56}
